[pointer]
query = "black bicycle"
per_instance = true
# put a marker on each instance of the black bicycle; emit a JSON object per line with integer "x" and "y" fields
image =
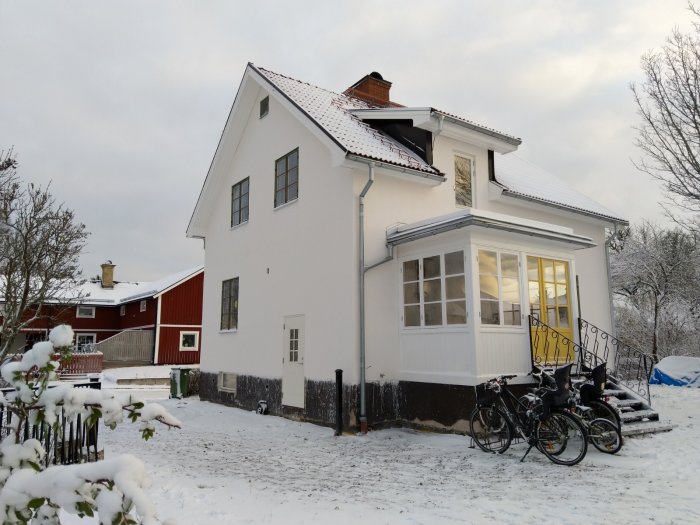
{"x": 499, "y": 416}
{"x": 595, "y": 415}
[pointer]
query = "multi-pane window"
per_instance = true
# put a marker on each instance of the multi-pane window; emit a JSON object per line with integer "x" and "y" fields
{"x": 463, "y": 181}
{"x": 239, "y": 202}
{"x": 293, "y": 345}
{"x": 229, "y": 304}
{"x": 499, "y": 288}
{"x": 548, "y": 287}
{"x": 433, "y": 291}
{"x": 287, "y": 178}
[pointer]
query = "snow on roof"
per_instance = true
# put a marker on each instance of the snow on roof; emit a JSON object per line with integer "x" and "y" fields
{"x": 124, "y": 292}
{"x": 522, "y": 178}
{"x": 331, "y": 112}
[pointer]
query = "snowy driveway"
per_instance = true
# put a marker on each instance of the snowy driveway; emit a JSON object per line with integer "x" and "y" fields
{"x": 228, "y": 466}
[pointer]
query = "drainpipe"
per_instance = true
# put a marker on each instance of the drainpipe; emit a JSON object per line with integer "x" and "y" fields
{"x": 610, "y": 292}
{"x": 363, "y": 410}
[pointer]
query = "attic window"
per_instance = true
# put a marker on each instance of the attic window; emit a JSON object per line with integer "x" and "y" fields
{"x": 264, "y": 106}
{"x": 142, "y": 306}
{"x": 85, "y": 312}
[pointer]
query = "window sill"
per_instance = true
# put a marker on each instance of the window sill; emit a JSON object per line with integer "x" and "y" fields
{"x": 189, "y": 349}
{"x": 239, "y": 225}
{"x": 502, "y": 329}
{"x": 289, "y": 203}
{"x": 231, "y": 331}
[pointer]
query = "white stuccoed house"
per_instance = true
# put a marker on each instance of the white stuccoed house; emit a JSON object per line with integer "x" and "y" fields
{"x": 403, "y": 245}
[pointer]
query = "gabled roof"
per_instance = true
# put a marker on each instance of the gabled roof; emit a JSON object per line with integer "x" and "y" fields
{"x": 124, "y": 292}
{"x": 332, "y": 113}
{"x": 521, "y": 179}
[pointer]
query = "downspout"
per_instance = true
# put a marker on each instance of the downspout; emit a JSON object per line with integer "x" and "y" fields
{"x": 363, "y": 409}
{"x": 610, "y": 292}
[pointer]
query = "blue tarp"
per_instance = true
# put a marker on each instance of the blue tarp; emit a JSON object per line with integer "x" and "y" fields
{"x": 677, "y": 371}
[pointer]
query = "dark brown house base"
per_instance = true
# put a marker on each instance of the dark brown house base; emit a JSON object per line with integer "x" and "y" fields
{"x": 433, "y": 406}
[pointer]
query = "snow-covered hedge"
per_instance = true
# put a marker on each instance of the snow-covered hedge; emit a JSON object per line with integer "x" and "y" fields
{"x": 112, "y": 489}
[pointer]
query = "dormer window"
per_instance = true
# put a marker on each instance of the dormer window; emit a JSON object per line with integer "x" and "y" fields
{"x": 264, "y": 106}
{"x": 463, "y": 182}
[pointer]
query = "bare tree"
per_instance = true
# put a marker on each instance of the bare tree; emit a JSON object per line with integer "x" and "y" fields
{"x": 668, "y": 102}
{"x": 655, "y": 274}
{"x": 40, "y": 244}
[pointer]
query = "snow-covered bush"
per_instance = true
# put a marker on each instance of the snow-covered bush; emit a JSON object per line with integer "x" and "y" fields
{"x": 30, "y": 492}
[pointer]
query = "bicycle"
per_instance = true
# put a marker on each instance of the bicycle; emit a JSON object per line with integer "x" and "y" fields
{"x": 499, "y": 414}
{"x": 603, "y": 432}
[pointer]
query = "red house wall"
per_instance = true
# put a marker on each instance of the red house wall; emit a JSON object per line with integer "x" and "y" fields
{"x": 181, "y": 310}
{"x": 135, "y": 318}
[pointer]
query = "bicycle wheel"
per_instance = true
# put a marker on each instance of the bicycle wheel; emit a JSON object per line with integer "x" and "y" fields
{"x": 562, "y": 438}
{"x": 490, "y": 429}
{"x": 603, "y": 410}
{"x": 605, "y": 436}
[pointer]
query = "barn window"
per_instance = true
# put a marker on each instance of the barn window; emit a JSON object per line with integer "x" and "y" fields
{"x": 287, "y": 178}
{"x": 189, "y": 341}
{"x": 85, "y": 312}
{"x": 229, "y": 304}
{"x": 142, "y": 306}
{"x": 239, "y": 202}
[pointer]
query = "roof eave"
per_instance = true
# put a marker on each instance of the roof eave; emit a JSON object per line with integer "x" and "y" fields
{"x": 572, "y": 209}
{"x": 428, "y": 230}
{"x": 435, "y": 177}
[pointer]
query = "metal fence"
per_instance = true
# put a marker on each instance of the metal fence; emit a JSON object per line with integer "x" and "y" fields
{"x": 66, "y": 442}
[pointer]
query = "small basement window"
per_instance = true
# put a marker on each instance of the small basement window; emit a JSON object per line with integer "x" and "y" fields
{"x": 264, "y": 106}
{"x": 228, "y": 381}
{"x": 189, "y": 341}
{"x": 85, "y": 312}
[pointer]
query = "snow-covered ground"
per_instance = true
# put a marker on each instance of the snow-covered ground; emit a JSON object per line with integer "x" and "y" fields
{"x": 229, "y": 466}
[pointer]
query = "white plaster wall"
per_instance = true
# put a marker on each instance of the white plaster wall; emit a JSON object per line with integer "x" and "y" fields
{"x": 296, "y": 259}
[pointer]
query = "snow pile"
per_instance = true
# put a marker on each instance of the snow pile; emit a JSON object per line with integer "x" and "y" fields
{"x": 677, "y": 371}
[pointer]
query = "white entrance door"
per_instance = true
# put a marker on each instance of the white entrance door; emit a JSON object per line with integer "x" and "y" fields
{"x": 293, "y": 362}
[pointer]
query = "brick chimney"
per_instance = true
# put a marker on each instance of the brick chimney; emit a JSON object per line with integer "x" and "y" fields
{"x": 371, "y": 88}
{"x": 107, "y": 274}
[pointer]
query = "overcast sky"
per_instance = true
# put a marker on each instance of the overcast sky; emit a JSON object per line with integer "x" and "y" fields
{"x": 121, "y": 104}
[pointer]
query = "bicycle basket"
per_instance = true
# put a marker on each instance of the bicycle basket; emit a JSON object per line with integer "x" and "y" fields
{"x": 484, "y": 396}
{"x": 599, "y": 375}
{"x": 562, "y": 377}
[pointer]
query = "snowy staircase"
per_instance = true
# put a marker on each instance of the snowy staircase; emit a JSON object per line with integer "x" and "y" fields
{"x": 636, "y": 414}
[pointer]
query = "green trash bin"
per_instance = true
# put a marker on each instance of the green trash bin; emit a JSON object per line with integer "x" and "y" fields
{"x": 179, "y": 382}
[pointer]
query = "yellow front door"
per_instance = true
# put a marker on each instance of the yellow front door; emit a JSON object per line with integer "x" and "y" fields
{"x": 549, "y": 290}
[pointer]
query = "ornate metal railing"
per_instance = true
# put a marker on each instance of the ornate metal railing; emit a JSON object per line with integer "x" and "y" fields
{"x": 68, "y": 441}
{"x": 629, "y": 366}
{"x": 549, "y": 347}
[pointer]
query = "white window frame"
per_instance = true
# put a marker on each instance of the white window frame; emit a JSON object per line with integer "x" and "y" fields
{"x": 499, "y": 276}
{"x": 91, "y": 315}
{"x": 142, "y": 305}
{"x": 122, "y": 310}
{"x": 472, "y": 160}
{"x": 228, "y": 386}
{"x": 196, "y": 341}
{"x": 443, "y": 289}
{"x": 85, "y": 334}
